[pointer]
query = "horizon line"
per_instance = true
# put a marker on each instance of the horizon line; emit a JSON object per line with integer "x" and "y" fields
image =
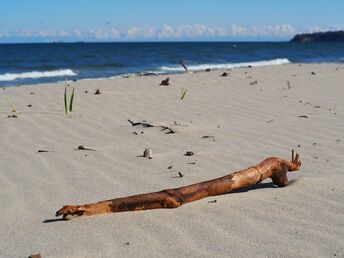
{"x": 150, "y": 41}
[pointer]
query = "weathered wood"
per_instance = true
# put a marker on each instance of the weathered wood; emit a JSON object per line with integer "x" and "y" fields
{"x": 274, "y": 168}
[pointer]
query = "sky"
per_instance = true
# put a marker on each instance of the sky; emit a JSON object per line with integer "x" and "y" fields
{"x": 165, "y": 20}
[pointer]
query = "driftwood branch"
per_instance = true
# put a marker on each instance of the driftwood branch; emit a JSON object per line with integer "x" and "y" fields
{"x": 274, "y": 168}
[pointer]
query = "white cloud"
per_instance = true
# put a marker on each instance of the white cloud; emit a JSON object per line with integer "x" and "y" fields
{"x": 237, "y": 30}
{"x": 322, "y": 29}
{"x": 165, "y": 32}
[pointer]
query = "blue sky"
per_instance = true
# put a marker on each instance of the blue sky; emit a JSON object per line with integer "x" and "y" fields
{"x": 165, "y": 20}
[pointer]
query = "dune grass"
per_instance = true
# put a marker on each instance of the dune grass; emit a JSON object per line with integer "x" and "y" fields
{"x": 12, "y": 107}
{"x": 183, "y": 93}
{"x": 71, "y": 100}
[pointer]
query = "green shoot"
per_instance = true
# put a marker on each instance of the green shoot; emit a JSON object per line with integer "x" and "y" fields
{"x": 71, "y": 101}
{"x": 183, "y": 93}
{"x": 65, "y": 98}
{"x": 13, "y": 108}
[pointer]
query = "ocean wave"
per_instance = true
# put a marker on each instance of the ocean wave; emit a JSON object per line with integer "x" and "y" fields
{"x": 36, "y": 74}
{"x": 278, "y": 61}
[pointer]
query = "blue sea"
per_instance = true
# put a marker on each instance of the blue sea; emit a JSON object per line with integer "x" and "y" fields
{"x": 22, "y": 64}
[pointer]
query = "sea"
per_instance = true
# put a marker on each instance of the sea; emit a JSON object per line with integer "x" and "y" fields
{"x": 25, "y": 64}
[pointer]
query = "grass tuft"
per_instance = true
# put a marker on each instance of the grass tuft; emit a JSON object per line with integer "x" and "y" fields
{"x": 65, "y": 100}
{"x": 71, "y": 100}
{"x": 183, "y": 93}
{"x": 13, "y": 108}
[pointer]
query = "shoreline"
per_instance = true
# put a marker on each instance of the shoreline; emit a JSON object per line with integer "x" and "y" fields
{"x": 158, "y": 73}
{"x": 251, "y": 114}
{"x": 163, "y": 70}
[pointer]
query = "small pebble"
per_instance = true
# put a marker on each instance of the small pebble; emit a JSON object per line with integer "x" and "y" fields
{"x": 147, "y": 153}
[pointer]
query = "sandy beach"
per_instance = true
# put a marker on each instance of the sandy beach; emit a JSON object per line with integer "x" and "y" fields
{"x": 251, "y": 114}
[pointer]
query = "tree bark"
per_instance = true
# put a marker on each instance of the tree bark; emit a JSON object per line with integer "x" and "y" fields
{"x": 274, "y": 168}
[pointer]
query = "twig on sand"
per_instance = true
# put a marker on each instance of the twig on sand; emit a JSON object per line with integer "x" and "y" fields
{"x": 208, "y": 136}
{"x": 82, "y": 147}
{"x": 180, "y": 175}
{"x": 289, "y": 85}
{"x": 274, "y": 168}
{"x": 169, "y": 129}
{"x": 143, "y": 123}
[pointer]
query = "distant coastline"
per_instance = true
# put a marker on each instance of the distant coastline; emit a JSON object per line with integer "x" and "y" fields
{"x": 329, "y": 36}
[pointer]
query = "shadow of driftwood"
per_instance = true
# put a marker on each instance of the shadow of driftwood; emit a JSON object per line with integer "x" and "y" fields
{"x": 53, "y": 220}
{"x": 255, "y": 187}
{"x": 260, "y": 186}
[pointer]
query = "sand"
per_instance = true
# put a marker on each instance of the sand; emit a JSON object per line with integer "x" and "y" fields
{"x": 252, "y": 114}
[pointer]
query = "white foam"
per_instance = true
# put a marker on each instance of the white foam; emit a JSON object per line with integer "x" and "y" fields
{"x": 201, "y": 67}
{"x": 35, "y": 74}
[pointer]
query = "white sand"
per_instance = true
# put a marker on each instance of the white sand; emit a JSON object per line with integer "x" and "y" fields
{"x": 249, "y": 122}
